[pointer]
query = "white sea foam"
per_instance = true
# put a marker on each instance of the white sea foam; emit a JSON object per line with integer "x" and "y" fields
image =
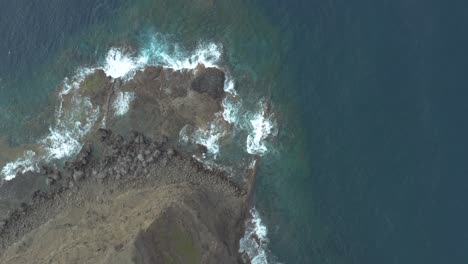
{"x": 27, "y": 162}
{"x": 231, "y": 108}
{"x": 229, "y": 85}
{"x": 207, "y": 137}
{"x": 262, "y": 125}
{"x": 231, "y": 103}
{"x": 118, "y": 64}
{"x": 160, "y": 51}
{"x": 74, "y": 83}
{"x": 64, "y": 138}
{"x": 122, "y": 102}
{"x": 255, "y": 241}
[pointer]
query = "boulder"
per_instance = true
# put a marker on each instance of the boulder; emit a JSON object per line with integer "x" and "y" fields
{"x": 50, "y": 181}
{"x": 56, "y": 175}
{"x": 170, "y": 152}
{"x": 78, "y": 175}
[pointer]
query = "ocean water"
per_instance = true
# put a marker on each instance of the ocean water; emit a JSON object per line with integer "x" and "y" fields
{"x": 363, "y": 140}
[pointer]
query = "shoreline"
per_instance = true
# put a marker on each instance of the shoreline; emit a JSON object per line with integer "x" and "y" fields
{"x": 109, "y": 165}
{"x": 70, "y": 191}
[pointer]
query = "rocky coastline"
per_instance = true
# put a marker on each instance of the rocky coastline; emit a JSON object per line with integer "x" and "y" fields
{"x": 132, "y": 194}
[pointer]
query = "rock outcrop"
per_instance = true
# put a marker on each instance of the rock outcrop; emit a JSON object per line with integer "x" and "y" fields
{"x": 144, "y": 203}
{"x": 138, "y": 198}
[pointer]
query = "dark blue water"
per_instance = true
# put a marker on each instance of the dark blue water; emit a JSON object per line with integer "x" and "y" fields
{"x": 370, "y": 165}
{"x": 33, "y": 34}
{"x": 381, "y": 88}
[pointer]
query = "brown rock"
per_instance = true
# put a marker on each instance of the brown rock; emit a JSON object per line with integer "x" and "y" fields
{"x": 50, "y": 181}
{"x": 78, "y": 175}
{"x": 209, "y": 81}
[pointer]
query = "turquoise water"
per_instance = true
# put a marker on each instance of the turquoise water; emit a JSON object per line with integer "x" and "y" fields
{"x": 369, "y": 162}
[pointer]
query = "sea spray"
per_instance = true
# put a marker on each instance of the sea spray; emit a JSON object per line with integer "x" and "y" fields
{"x": 262, "y": 126}
{"x": 118, "y": 64}
{"x": 27, "y": 162}
{"x": 208, "y": 137}
{"x": 71, "y": 126}
{"x": 122, "y": 102}
{"x": 253, "y": 245}
{"x": 160, "y": 50}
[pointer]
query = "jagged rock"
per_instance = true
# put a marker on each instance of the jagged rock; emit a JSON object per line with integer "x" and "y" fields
{"x": 56, "y": 176}
{"x": 202, "y": 148}
{"x": 71, "y": 184}
{"x": 115, "y": 151}
{"x": 209, "y": 81}
{"x": 156, "y": 154}
{"x": 153, "y": 146}
{"x": 161, "y": 140}
{"x": 104, "y": 134}
{"x": 78, "y": 175}
{"x": 50, "y": 181}
{"x": 101, "y": 175}
{"x": 45, "y": 170}
{"x": 141, "y": 157}
{"x": 86, "y": 149}
{"x": 170, "y": 152}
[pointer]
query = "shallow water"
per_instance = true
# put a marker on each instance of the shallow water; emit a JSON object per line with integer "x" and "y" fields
{"x": 368, "y": 162}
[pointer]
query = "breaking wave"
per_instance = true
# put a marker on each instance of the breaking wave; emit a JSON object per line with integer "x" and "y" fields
{"x": 122, "y": 102}
{"x": 25, "y": 163}
{"x": 262, "y": 126}
{"x": 76, "y": 120}
{"x": 253, "y": 245}
{"x": 76, "y": 116}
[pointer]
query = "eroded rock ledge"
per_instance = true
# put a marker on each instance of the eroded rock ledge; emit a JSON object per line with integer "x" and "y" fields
{"x": 138, "y": 201}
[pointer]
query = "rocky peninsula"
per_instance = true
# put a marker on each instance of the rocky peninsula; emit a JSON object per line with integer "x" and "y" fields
{"x": 132, "y": 194}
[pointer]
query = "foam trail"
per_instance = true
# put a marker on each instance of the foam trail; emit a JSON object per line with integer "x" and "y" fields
{"x": 64, "y": 139}
{"x": 255, "y": 241}
{"x": 122, "y": 102}
{"x": 207, "y": 137}
{"x": 231, "y": 108}
{"x": 160, "y": 51}
{"x": 262, "y": 125}
{"x": 23, "y": 164}
{"x": 229, "y": 85}
{"x": 231, "y": 103}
